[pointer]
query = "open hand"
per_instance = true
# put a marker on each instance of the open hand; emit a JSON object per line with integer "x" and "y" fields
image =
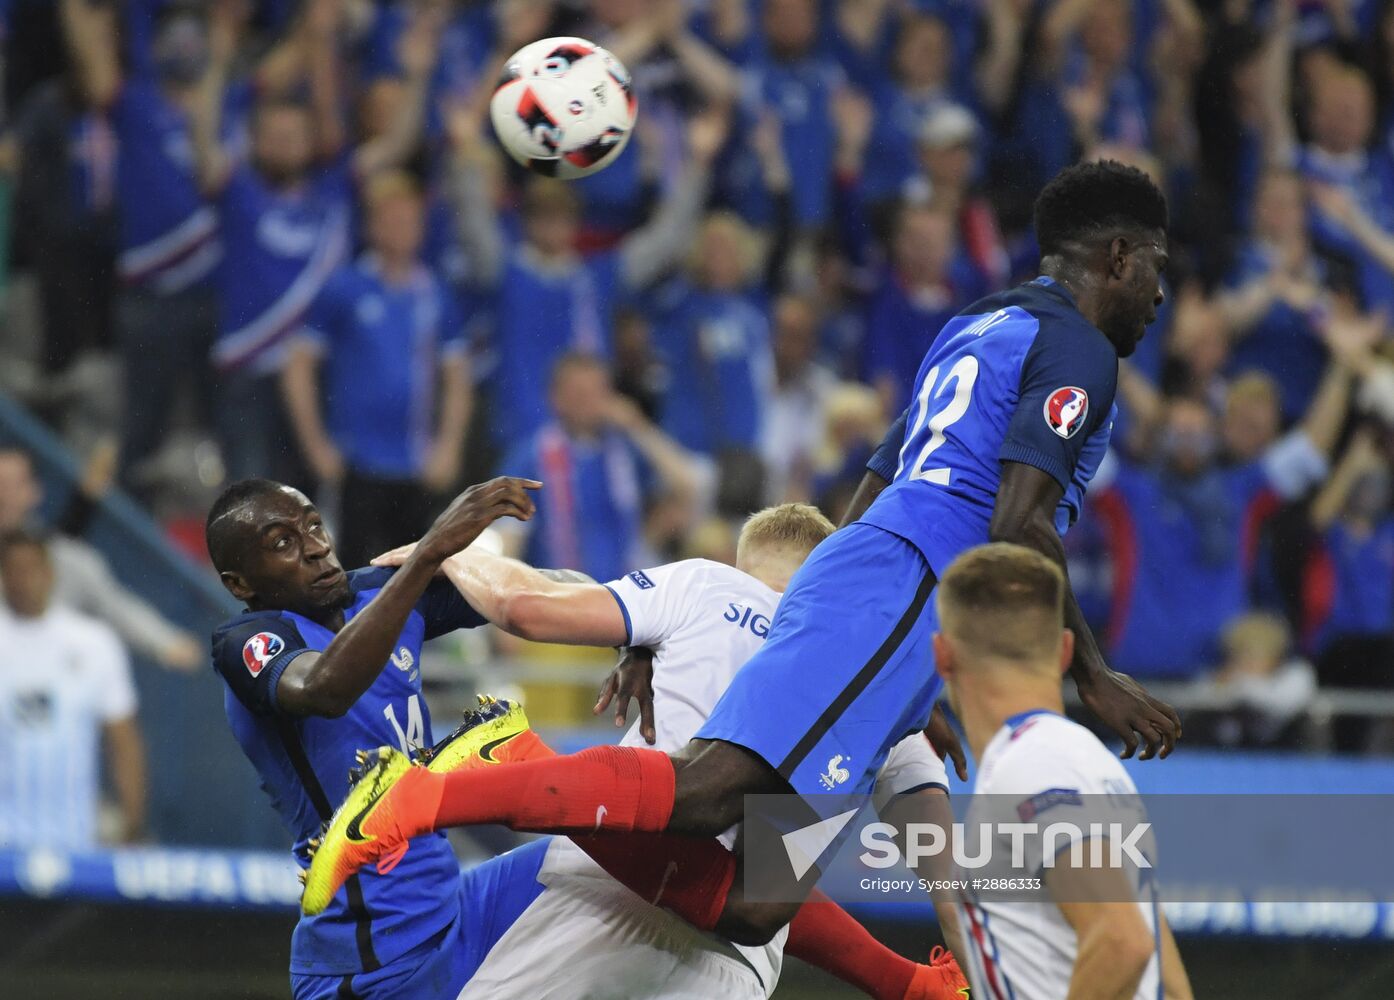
{"x": 473, "y": 511}
{"x": 1124, "y": 706}
{"x": 631, "y": 678}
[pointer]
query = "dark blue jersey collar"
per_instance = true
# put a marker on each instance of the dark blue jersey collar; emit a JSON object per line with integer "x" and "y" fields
{"x": 1050, "y": 284}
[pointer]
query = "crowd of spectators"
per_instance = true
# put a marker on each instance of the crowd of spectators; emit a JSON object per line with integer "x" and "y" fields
{"x": 289, "y": 225}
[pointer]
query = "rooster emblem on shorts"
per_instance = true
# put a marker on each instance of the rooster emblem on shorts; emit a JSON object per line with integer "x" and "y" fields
{"x": 836, "y": 774}
{"x": 1065, "y": 410}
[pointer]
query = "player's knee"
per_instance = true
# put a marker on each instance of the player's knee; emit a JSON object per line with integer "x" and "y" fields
{"x": 712, "y": 780}
{"x": 754, "y": 924}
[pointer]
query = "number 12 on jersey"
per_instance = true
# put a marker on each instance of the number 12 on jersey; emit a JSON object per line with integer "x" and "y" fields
{"x": 933, "y": 391}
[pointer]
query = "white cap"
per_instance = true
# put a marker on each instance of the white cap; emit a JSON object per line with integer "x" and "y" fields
{"x": 948, "y": 125}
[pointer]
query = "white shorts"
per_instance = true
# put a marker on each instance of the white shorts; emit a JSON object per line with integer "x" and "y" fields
{"x": 592, "y": 939}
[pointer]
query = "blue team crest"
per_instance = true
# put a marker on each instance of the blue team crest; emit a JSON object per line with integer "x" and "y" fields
{"x": 260, "y": 650}
{"x": 1065, "y": 410}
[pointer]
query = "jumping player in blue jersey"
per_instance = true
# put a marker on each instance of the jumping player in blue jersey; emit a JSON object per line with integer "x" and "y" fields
{"x": 1009, "y": 419}
{"x": 324, "y": 662}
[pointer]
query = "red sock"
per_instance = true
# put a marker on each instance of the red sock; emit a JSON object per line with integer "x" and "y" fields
{"x": 689, "y": 876}
{"x": 824, "y": 934}
{"x": 603, "y": 788}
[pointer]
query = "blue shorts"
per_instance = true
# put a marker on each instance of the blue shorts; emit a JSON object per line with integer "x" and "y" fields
{"x": 847, "y": 670}
{"x": 492, "y": 896}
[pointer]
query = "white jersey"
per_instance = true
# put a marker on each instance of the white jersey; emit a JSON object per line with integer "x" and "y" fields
{"x": 1026, "y": 950}
{"x": 63, "y": 676}
{"x": 588, "y": 937}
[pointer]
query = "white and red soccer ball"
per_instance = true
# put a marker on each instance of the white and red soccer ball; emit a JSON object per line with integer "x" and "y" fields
{"x": 564, "y": 107}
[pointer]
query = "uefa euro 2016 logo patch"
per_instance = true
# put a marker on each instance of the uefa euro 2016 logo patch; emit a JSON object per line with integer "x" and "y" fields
{"x": 1065, "y": 410}
{"x": 260, "y": 650}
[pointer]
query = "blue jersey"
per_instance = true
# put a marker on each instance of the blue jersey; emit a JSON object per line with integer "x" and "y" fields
{"x": 169, "y": 234}
{"x": 1020, "y": 376}
{"x": 544, "y": 312}
{"x": 382, "y": 347}
{"x": 591, "y": 517}
{"x": 303, "y": 763}
{"x": 717, "y": 346}
{"x": 280, "y": 247}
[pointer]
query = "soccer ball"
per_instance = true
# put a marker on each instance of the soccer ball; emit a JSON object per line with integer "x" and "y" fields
{"x": 564, "y": 107}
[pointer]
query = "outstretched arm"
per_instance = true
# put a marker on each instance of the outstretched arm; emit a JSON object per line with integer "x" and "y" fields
{"x": 530, "y": 603}
{"x": 660, "y": 244}
{"x": 90, "y": 32}
{"x": 211, "y": 160}
{"x": 417, "y": 52}
{"x": 1025, "y": 514}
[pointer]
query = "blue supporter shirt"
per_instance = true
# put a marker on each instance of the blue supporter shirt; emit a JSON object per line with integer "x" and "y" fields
{"x": 280, "y": 247}
{"x": 800, "y": 95}
{"x": 382, "y": 347}
{"x": 590, "y": 515}
{"x": 303, "y": 763}
{"x": 169, "y": 233}
{"x": 1369, "y": 179}
{"x": 1020, "y": 376}
{"x": 717, "y": 348}
{"x": 1362, "y": 600}
{"x": 1284, "y": 343}
{"x": 1181, "y": 572}
{"x": 901, "y": 326}
{"x": 544, "y": 312}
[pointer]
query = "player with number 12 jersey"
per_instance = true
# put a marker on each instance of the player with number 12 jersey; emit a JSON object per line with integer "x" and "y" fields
{"x": 1019, "y": 377}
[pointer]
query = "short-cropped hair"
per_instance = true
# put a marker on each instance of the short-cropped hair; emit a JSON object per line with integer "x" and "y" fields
{"x": 792, "y": 526}
{"x": 1003, "y": 600}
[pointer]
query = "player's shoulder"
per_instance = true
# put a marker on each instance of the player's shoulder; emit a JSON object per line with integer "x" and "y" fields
{"x": 369, "y": 578}
{"x": 1044, "y": 750}
{"x": 270, "y": 631}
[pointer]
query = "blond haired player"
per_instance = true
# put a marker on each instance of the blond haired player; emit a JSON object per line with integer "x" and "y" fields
{"x": 1002, "y": 649}
{"x": 587, "y": 935}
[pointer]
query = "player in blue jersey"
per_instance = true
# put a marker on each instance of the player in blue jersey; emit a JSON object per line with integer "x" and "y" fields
{"x": 324, "y": 662}
{"x": 1010, "y": 416}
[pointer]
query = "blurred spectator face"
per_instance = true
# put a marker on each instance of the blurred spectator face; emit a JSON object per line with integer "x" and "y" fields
{"x": 581, "y": 395}
{"x": 923, "y": 246}
{"x": 1198, "y": 333}
{"x": 382, "y": 99}
{"x": 1188, "y": 438}
{"x": 1255, "y": 644}
{"x": 1369, "y": 498}
{"x": 1252, "y": 417}
{"x": 26, "y": 578}
{"x": 19, "y": 491}
{"x": 949, "y": 168}
{"x": 724, "y": 252}
{"x": 282, "y": 145}
{"x": 396, "y": 225}
{"x": 795, "y": 334}
{"x": 1280, "y": 209}
{"x": 633, "y": 340}
{"x": 181, "y": 50}
{"x": 790, "y": 27}
{"x": 551, "y": 218}
{"x": 1107, "y": 35}
{"x": 1343, "y": 111}
{"x": 923, "y": 54}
